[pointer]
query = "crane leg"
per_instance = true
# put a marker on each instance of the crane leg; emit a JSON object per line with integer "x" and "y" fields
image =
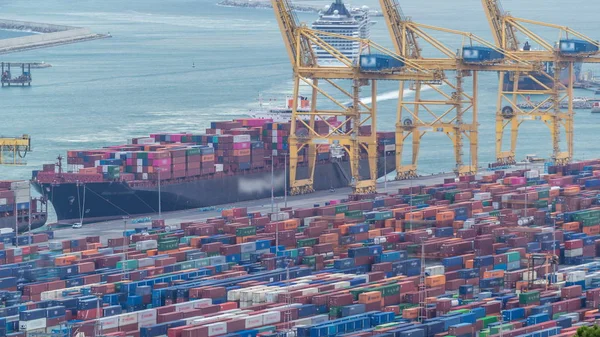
{"x": 403, "y": 130}
{"x": 299, "y": 186}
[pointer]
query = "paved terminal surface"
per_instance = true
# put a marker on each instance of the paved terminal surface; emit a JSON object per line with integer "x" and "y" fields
{"x": 115, "y": 228}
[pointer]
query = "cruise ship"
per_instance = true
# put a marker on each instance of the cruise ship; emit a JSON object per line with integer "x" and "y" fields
{"x": 338, "y": 19}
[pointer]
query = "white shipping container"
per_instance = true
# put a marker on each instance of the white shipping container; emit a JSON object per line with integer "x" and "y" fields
{"x": 19, "y": 185}
{"x": 219, "y": 167}
{"x": 22, "y": 193}
{"x": 145, "y": 141}
{"x": 576, "y": 276}
{"x": 310, "y": 291}
{"x": 573, "y": 252}
{"x": 482, "y": 196}
{"x": 215, "y": 329}
{"x": 32, "y": 325}
{"x": 107, "y": 323}
{"x": 318, "y": 319}
{"x": 186, "y": 306}
{"x": 146, "y": 245}
{"x": 389, "y": 147}
{"x": 271, "y": 317}
{"x": 527, "y": 274}
{"x": 253, "y": 321}
{"x": 532, "y": 174}
{"x": 19, "y": 252}
{"x": 145, "y": 262}
{"x": 128, "y": 318}
{"x": 341, "y": 284}
{"x": 146, "y": 317}
{"x": 241, "y": 138}
{"x": 248, "y": 247}
{"x": 308, "y": 220}
{"x": 435, "y": 270}
{"x": 10, "y": 230}
{"x": 280, "y": 216}
{"x": 201, "y": 303}
{"x": 21, "y": 200}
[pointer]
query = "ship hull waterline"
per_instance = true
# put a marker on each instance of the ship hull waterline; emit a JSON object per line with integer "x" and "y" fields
{"x": 107, "y": 201}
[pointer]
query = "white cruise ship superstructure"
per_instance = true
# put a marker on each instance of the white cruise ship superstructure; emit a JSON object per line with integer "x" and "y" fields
{"x": 338, "y": 19}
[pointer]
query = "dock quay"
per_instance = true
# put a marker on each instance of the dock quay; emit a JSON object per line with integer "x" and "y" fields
{"x": 48, "y": 35}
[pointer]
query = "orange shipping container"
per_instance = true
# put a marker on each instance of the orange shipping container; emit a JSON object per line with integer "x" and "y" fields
{"x": 414, "y": 216}
{"x": 241, "y": 153}
{"x": 369, "y": 297}
{"x": 442, "y": 216}
{"x": 493, "y": 273}
{"x": 435, "y": 281}
{"x": 571, "y": 226}
{"x": 592, "y": 230}
{"x": 410, "y": 313}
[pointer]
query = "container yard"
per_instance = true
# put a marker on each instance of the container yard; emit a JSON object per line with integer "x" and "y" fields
{"x": 510, "y": 253}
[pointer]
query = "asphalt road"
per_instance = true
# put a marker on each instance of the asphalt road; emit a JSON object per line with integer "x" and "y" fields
{"x": 115, "y": 228}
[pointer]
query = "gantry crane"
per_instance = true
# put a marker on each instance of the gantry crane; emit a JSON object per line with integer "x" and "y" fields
{"x": 446, "y": 113}
{"x": 299, "y": 41}
{"x": 514, "y": 104}
{"x": 13, "y": 149}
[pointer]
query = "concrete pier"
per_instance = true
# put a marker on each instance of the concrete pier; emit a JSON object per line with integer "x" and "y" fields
{"x": 49, "y": 35}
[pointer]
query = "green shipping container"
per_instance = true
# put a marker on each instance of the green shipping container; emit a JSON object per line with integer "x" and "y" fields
{"x": 384, "y": 215}
{"x": 309, "y": 260}
{"x": 487, "y": 320}
{"x": 496, "y": 328}
{"x": 484, "y": 333}
{"x": 354, "y": 214}
{"x": 129, "y": 264}
{"x": 544, "y": 194}
{"x": 245, "y": 231}
{"x": 529, "y": 297}
{"x": 307, "y": 242}
{"x": 168, "y": 245}
{"x": 205, "y": 262}
{"x": 513, "y": 256}
{"x": 541, "y": 204}
{"x": 388, "y": 290}
{"x": 187, "y": 265}
{"x": 341, "y": 209}
{"x": 335, "y": 312}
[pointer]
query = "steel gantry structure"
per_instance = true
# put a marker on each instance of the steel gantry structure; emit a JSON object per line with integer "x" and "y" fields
{"x": 299, "y": 41}
{"x": 13, "y": 149}
{"x": 447, "y": 111}
{"x": 514, "y": 103}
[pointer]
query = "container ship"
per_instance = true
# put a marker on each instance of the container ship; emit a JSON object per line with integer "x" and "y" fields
{"x": 16, "y": 206}
{"x": 233, "y": 161}
{"x": 527, "y": 83}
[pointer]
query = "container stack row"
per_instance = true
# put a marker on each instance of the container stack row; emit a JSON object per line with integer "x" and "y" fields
{"x": 481, "y": 255}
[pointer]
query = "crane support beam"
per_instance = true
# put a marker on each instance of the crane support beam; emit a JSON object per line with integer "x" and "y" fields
{"x": 13, "y": 149}
{"x": 450, "y": 109}
{"x": 514, "y": 103}
{"x": 339, "y": 129}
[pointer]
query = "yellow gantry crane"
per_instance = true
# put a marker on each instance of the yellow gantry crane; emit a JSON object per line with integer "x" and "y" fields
{"x": 454, "y": 113}
{"x": 551, "y": 92}
{"x": 344, "y": 79}
{"x": 13, "y": 149}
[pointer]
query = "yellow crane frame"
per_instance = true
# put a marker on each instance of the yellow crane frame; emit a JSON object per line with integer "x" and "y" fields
{"x": 299, "y": 41}
{"x": 16, "y": 147}
{"x": 446, "y": 113}
{"x": 548, "y": 108}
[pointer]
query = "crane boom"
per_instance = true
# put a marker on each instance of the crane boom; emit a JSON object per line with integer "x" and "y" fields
{"x": 504, "y": 35}
{"x": 405, "y": 42}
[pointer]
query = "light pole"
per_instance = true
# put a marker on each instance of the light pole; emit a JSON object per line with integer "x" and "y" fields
{"x": 272, "y": 183}
{"x": 384, "y": 169}
{"x": 285, "y": 179}
{"x": 159, "y": 196}
{"x": 125, "y": 239}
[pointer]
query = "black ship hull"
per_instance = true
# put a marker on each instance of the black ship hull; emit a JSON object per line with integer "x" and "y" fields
{"x": 116, "y": 200}
{"x": 541, "y": 81}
